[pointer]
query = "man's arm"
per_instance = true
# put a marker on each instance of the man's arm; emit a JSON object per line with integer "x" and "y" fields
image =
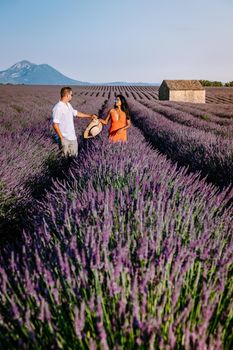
{"x": 57, "y": 129}
{"x": 84, "y": 115}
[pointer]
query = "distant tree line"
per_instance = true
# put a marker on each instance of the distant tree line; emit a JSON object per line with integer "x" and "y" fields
{"x": 230, "y": 83}
{"x": 215, "y": 83}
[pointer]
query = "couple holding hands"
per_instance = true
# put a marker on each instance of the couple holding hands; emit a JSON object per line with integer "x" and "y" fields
{"x": 63, "y": 123}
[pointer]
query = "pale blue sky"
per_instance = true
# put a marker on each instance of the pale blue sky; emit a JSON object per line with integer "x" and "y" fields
{"x": 124, "y": 40}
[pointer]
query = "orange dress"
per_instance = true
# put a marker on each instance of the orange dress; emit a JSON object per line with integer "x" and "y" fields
{"x": 118, "y": 121}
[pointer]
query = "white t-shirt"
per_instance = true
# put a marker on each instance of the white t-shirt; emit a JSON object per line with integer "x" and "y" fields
{"x": 63, "y": 114}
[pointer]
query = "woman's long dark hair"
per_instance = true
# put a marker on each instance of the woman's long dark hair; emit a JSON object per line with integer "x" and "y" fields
{"x": 124, "y": 105}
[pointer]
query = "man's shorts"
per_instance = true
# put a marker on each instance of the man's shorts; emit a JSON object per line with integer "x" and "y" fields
{"x": 69, "y": 148}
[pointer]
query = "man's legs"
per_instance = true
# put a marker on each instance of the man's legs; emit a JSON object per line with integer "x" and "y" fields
{"x": 69, "y": 148}
{"x": 73, "y": 148}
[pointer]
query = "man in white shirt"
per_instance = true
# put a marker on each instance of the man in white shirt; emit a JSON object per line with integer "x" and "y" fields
{"x": 63, "y": 122}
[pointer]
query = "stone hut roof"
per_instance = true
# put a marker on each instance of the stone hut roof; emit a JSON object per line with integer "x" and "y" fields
{"x": 183, "y": 84}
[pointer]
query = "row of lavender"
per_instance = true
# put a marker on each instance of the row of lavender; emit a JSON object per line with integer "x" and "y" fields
{"x": 218, "y": 113}
{"x": 193, "y": 117}
{"x": 28, "y": 152}
{"x": 206, "y": 152}
{"x": 27, "y": 147}
{"x": 212, "y": 117}
{"x": 217, "y": 99}
{"x": 127, "y": 253}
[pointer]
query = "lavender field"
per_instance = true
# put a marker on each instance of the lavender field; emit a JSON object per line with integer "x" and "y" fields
{"x": 127, "y": 246}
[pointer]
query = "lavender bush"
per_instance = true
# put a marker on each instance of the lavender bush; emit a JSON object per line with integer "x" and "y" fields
{"x": 128, "y": 253}
{"x": 29, "y": 155}
{"x": 213, "y": 113}
{"x": 181, "y": 116}
{"x": 201, "y": 151}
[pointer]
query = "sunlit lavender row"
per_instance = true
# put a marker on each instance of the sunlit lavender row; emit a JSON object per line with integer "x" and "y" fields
{"x": 198, "y": 120}
{"x": 202, "y": 151}
{"x": 129, "y": 252}
{"x": 219, "y": 114}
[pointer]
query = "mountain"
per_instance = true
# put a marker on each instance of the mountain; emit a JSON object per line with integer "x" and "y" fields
{"x": 25, "y": 72}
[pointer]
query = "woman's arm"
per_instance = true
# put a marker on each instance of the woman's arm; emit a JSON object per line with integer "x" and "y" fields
{"x": 106, "y": 120}
{"x": 128, "y": 124}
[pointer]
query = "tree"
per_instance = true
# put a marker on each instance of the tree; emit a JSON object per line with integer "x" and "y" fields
{"x": 229, "y": 84}
{"x": 211, "y": 83}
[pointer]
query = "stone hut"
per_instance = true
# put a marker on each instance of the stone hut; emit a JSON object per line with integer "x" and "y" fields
{"x": 182, "y": 91}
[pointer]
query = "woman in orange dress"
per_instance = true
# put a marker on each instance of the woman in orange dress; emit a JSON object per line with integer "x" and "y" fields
{"x": 120, "y": 120}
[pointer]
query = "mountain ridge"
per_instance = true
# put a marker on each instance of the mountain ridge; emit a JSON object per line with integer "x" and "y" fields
{"x": 27, "y": 73}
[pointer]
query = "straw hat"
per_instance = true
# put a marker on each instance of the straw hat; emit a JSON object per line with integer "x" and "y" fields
{"x": 93, "y": 129}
